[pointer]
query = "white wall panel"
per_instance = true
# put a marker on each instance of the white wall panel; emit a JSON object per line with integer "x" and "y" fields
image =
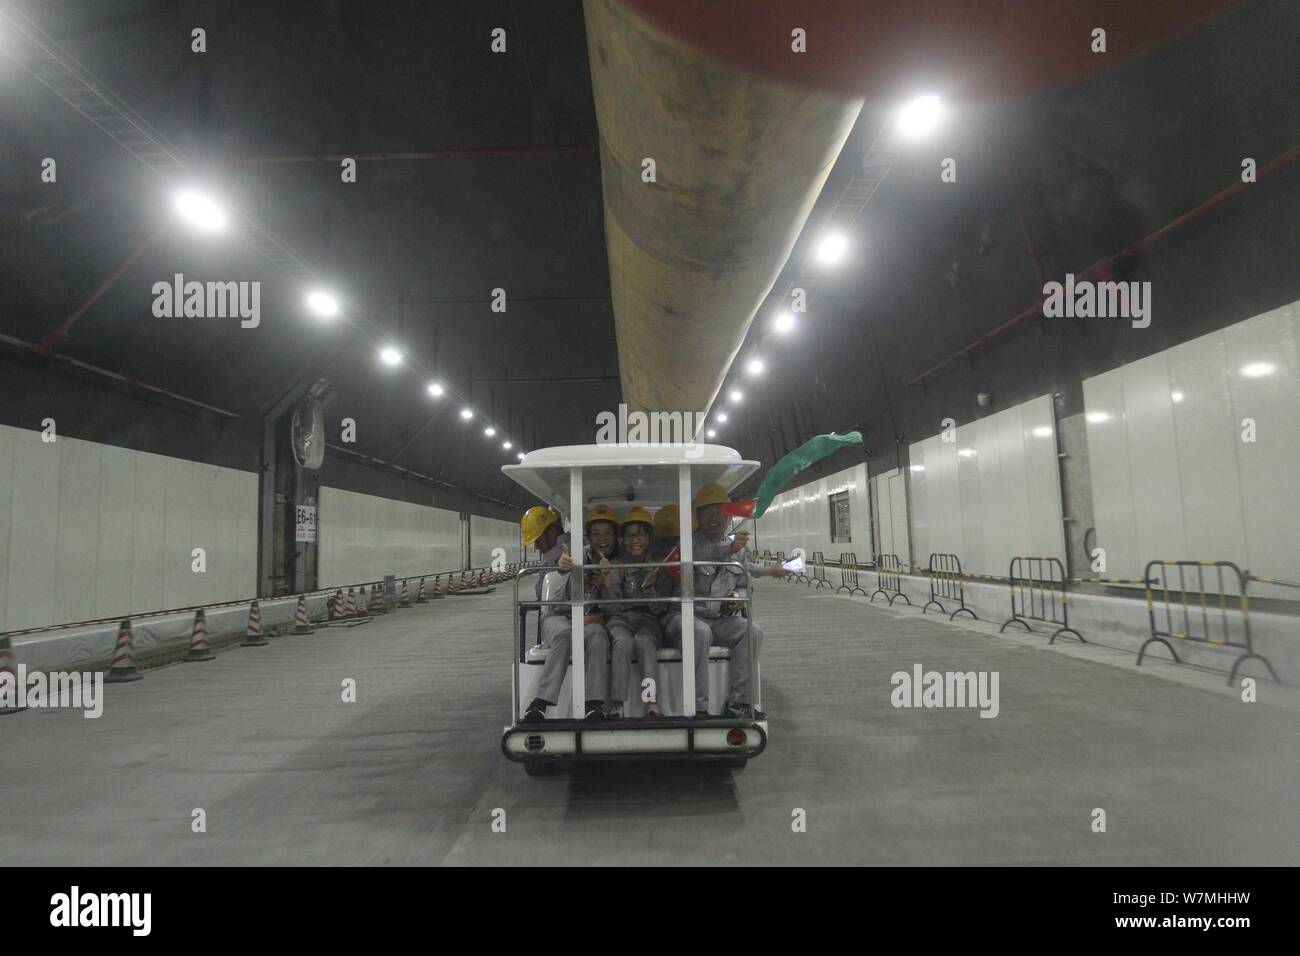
{"x": 77, "y": 546}
{"x": 1269, "y": 468}
{"x": 487, "y": 534}
{"x": 116, "y": 534}
{"x": 1177, "y": 481}
{"x": 364, "y": 537}
{"x": 1206, "y": 439}
{"x": 1042, "y": 472}
{"x": 1153, "y": 455}
{"x": 991, "y": 494}
{"x": 93, "y": 531}
{"x": 33, "y": 530}
{"x": 800, "y": 517}
{"x": 1112, "y": 476}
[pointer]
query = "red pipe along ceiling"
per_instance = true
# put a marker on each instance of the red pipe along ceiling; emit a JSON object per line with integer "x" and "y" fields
{"x": 1102, "y": 267}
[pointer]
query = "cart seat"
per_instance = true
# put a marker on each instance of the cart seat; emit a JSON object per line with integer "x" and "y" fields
{"x": 538, "y": 653}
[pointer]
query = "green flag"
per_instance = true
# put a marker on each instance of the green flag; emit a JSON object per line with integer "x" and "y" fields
{"x": 809, "y": 453}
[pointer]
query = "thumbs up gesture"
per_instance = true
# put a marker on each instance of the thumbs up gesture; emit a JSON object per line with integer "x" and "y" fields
{"x": 566, "y": 561}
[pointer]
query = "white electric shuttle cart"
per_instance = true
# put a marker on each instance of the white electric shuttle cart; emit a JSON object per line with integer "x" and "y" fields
{"x": 571, "y": 480}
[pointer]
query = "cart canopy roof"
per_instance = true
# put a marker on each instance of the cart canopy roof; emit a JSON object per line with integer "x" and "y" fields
{"x": 621, "y": 475}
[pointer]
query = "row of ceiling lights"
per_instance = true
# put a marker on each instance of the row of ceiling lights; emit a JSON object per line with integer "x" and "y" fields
{"x": 915, "y": 119}
{"x": 206, "y": 214}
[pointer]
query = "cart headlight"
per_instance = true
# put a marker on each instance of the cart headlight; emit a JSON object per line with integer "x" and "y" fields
{"x": 534, "y": 743}
{"x": 736, "y": 737}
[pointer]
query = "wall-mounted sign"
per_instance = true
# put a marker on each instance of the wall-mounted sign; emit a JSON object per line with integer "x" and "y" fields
{"x": 305, "y": 522}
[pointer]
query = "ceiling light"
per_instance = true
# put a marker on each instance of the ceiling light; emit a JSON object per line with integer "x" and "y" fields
{"x": 711, "y": 433}
{"x": 917, "y": 468}
{"x": 507, "y": 444}
{"x": 435, "y": 389}
{"x": 467, "y": 413}
{"x": 831, "y": 248}
{"x": 919, "y": 116}
{"x": 721, "y": 417}
{"x": 784, "y": 322}
{"x": 1176, "y": 396}
{"x": 1043, "y": 431}
{"x": 322, "y": 303}
{"x": 735, "y": 395}
{"x": 520, "y": 456}
{"x": 755, "y": 366}
{"x": 200, "y": 211}
{"x": 1258, "y": 369}
{"x": 966, "y": 453}
{"x": 489, "y": 431}
{"x": 390, "y": 356}
{"x": 1096, "y": 418}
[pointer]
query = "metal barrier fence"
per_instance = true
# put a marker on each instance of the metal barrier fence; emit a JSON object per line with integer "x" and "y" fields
{"x": 945, "y": 576}
{"x": 1040, "y": 584}
{"x": 801, "y": 575}
{"x": 849, "y": 575}
{"x": 819, "y": 572}
{"x": 1200, "y": 622}
{"x": 889, "y": 578}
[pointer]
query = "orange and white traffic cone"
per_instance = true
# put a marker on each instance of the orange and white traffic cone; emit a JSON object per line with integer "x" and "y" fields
{"x": 8, "y": 666}
{"x": 420, "y": 596}
{"x": 436, "y": 593}
{"x": 363, "y": 603}
{"x": 301, "y": 624}
{"x": 253, "y": 635}
{"x": 199, "y": 649}
{"x": 405, "y": 600}
{"x": 123, "y": 668}
{"x": 350, "y": 608}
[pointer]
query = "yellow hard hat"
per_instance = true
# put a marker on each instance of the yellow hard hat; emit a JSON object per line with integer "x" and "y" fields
{"x": 600, "y": 513}
{"x": 711, "y": 495}
{"x": 633, "y": 515}
{"x": 668, "y": 522}
{"x": 535, "y": 521}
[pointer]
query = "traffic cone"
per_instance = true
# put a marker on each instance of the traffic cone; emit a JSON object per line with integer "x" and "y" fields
{"x": 436, "y": 594}
{"x": 199, "y": 649}
{"x": 420, "y": 596}
{"x": 350, "y": 607}
{"x": 8, "y": 666}
{"x": 405, "y": 598}
{"x": 363, "y": 604}
{"x": 301, "y": 624}
{"x": 253, "y": 635}
{"x": 123, "y": 669}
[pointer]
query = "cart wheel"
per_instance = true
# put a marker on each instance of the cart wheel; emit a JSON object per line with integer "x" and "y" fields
{"x": 539, "y": 768}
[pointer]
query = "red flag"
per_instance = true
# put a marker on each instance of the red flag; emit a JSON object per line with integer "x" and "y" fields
{"x": 674, "y": 555}
{"x": 739, "y": 509}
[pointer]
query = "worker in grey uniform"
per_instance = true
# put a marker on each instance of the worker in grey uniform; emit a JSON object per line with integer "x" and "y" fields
{"x": 541, "y": 526}
{"x": 634, "y": 629}
{"x": 724, "y": 620}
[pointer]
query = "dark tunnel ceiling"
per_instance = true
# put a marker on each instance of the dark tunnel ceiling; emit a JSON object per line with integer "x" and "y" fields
{"x": 417, "y": 245}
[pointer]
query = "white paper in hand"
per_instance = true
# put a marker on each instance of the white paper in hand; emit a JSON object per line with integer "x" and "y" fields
{"x": 794, "y": 565}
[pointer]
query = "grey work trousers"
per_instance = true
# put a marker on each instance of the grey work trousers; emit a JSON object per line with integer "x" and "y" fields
{"x": 673, "y": 638}
{"x": 639, "y": 632}
{"x": 729, "y": 631}
{"x": 557, "y": 636}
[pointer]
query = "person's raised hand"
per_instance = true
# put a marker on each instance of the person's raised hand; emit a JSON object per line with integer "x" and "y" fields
{"x": 740, "y": 541}
{"x": 565, "y": 562}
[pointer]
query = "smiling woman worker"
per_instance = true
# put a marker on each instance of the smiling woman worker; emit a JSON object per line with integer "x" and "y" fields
{"x": 633, "y": 627}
